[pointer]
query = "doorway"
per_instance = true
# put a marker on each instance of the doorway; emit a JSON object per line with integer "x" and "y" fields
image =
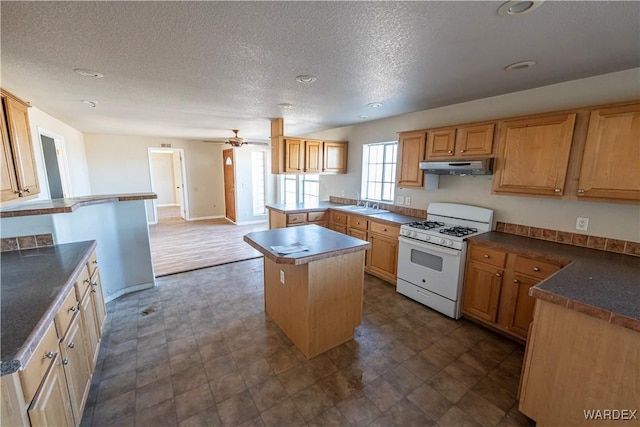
{"x": 168, "y": 180}
{"x": 229, "y": 185}
{"x": 55, "y": 164}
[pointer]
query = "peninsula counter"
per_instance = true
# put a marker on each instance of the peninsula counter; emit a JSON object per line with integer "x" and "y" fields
{"x": 314, "y": 296}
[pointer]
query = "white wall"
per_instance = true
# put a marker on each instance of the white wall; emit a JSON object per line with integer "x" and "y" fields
{"x": 119, "y": 164}
{"x": 606, "y": 219}
{"x": 162, "y": 176}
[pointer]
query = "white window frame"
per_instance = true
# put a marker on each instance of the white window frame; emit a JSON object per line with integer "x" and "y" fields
{"x": 388, "y": 170}
{"x": 300, "y": 195}
{"x": 259, "y": 182}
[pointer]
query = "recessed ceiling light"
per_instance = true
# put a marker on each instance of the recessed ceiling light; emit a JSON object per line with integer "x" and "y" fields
{"x": 90, "y": 103}
{"x": 363, "y": 117}
{"x": 518, "y": 7}
{"x": 306, "y": 78}
{"x": 89, "y": 73}
{"x": 285, "y": 105}
{"x": 521, "y": 65}
{"x": 375, "y": 104}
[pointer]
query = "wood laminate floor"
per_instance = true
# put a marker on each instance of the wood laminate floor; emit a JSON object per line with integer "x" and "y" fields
{"x": 178, "y": 245}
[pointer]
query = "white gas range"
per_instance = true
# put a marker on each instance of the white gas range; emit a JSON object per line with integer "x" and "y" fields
{"x": 432, "y": 253}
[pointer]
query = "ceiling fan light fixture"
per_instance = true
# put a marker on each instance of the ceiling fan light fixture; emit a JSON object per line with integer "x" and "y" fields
{"x": 362, "y": 117}
{"x": 236, "y": 141}
{"x": 88, "y": 73}
{"x": 520, "y": 65}
{"x": 285, "y": 105}
{"x": 306, "y": 78}
{"x": 90, "y": 103}
{"x": 518, "y": 7}
{"x": 375, "y": 104}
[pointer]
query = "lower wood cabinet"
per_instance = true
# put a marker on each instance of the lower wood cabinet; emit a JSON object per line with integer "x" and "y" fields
{"x": 75, "y": 360}
{"x": 52, "y": 406}
{"x": 496, "y": 288}
{"x": 279, "y": 219}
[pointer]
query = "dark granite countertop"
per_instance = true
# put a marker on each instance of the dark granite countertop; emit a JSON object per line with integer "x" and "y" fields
{"x": 388, "y": 217}
{"x": 54, "y": 206}
{"x": 322, "y": 243}
{"x": 33, "y": 285}
{"x": 598, "y": 283}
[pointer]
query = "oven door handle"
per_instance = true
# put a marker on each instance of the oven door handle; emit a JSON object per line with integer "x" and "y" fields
{"x": 429, "y": 246}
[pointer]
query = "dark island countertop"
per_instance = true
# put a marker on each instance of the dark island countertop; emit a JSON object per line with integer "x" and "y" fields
{"x": 33, "y": 285}
{"x": 54, "y": 206}
{"x": 602, "y": 284}
{"x": 322, "y": 243}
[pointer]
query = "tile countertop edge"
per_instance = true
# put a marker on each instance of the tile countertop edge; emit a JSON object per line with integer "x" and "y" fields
{"x": 26, "y": 351}
{"x": 54, "y": 206}
{"x": 569, "y": 264}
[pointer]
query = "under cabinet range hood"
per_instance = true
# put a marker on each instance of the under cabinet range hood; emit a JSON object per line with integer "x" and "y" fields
{"x": 471, "y": 167}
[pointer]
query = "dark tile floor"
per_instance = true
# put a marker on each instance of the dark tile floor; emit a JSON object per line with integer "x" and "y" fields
{"x": 198, "y": 350}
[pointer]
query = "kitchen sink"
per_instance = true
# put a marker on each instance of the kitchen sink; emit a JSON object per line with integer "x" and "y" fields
{"x": 363, "y": 210}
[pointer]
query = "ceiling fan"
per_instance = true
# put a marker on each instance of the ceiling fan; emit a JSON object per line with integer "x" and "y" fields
{"x": 237, "y": 141}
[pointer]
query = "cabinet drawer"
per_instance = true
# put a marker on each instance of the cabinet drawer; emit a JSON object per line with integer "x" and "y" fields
{"x": 66, "y": 312}
{"x": 387, "y": 230}
{"x": 316, "y": 216}
{"x": 92, "y": 264}
{"x": 338, "y": 218}
{"x": 82, "y": 283}
{"x": 535, "y": 268}
{"x": 35, "y": 369}
{"x": 358, "y": 222}
{"x": 299, "y": 218}
{"x": 488, "y": 256}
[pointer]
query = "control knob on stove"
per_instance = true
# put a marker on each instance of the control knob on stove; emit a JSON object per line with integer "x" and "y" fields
{"x": 414, "y": 234}
{"x": 447, "y": 242}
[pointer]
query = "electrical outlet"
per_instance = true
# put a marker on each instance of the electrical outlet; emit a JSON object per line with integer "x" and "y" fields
{"x": 400, "y": 200}
{"x": 582, "y": 223}
{"x": 407, "y": 201}
{"x": 282, "y": 277}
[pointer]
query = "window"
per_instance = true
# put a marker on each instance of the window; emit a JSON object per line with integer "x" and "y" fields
{"x": 300, "y": 188}
{"x": 257, "y": 172}
{"x": 379, "y": 171}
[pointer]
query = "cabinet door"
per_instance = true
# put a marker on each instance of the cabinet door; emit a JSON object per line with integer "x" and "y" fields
{"x": 9, "y": 189}
{"x": 313, "y": 156}
{"x": 335, "y": 157}
{"x": 411, "y": 150}
{"x": 358, "y": 234}
{"x": 481, "y": 294}
{"x": 91, "y": 328}
{"x": 610, "y": 162}
{"x": 521, "y": 304}
{"x": 20, "y": 137}
{"x": 441, "y": 143}
{"x": 475, "y": 141}
{"x": 97, "y": 298}
{"x": 383, "y": 256}
{"x": 76, "y": 365}
{"x": 51, "y": 405}
{"x": 294, "y": 155}
{"x": 534, "y": 155}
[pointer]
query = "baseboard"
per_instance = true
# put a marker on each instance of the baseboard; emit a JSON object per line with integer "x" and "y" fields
{"x": 163, "y": 205}
{"x": 128, "y": 290}
{"x": 200, "y": 218}
{"x": 152, "y": 222}
{"x": 258, "y": 221}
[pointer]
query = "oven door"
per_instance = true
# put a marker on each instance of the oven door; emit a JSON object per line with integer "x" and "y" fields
{"x": 432, "y": 267}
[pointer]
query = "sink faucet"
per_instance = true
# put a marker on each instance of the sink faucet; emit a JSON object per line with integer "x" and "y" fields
{"x": 376, "y": 206}
{"x": 366, "y": 204}
{"x": 358, "y": 197}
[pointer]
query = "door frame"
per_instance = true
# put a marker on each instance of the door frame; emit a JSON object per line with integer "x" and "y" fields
{"x": 224, "y": 184}
{"x": 183, "y": 166}
{"x": 61, "y": 156}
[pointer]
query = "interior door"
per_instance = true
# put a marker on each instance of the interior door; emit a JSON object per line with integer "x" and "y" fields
{"x": 229, "y": 184}
{"x": 177, "y": 181}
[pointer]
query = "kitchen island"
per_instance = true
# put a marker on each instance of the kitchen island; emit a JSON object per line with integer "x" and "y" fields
{"x": 315, "y": 295}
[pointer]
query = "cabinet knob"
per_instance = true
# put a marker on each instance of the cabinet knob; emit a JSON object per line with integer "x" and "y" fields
{"x": 95, "y": 283}
{"x": 384, "y": 229}
{"x": 462, "y": 151}
{"x": 65, "y": 361}
{"x": 557, "y": 190}
{"x": 580, "y": 191}
{"x": 71, "y": 344}
{"x": 73, "y": 308}
{"x": 93, "y": 291}
{"x": 49, "y": 355}
{"x": 95, "y": 262}
{"x": 86, "y": 281}
{"x": 486, "y": 256}
{"x": 27, "y": 190}
{"x": 449, "y": 152}
{"x": 536, "y": 269}
{"x": 498, "y": 275}
{"x": 516, "y": 281}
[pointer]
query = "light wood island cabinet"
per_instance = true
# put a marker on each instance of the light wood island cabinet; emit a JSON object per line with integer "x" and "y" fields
{"x": 19, "y": 173}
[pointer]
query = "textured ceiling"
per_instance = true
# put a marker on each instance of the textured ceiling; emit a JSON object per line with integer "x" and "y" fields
{"x": 198, "y": 69}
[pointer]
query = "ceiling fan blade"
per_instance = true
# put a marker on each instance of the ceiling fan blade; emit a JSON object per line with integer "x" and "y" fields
{"x": 215, "y": 142}
{"x": 266, "y": 144}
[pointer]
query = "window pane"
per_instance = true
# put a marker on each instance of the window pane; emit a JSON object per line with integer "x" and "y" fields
{"x": 257, "y": 172}
{"x": 379, "y": 170}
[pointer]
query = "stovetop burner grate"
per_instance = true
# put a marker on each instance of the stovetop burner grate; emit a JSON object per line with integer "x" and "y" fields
{"x": 458, "y": 231}
{"x": 426, "y": 225}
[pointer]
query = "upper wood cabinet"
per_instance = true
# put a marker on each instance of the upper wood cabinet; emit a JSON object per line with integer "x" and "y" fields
{"x": 411, "y": 150}
{"x": 19, "y": 174}
{"x": 335, "y": 157}
{"x": 298, "y": 156}
{"x": 533, "y": 155}
{"x": 611, "y": 160}
{"x": 460, "y": 142}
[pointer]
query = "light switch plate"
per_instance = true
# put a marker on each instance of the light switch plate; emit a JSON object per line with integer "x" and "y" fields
{"x": 400, "y": 200}
{"x": 582, "y": 223}
{"x": 407, "y": 201}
